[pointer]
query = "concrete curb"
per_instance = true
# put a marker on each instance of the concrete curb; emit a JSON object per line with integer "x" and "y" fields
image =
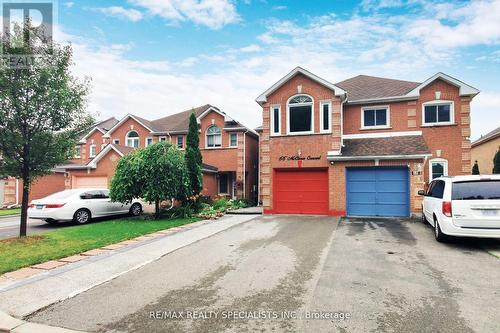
{"x": 10, "y": 324}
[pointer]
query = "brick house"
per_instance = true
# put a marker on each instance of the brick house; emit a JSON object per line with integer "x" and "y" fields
{"x": 484, "y": 149}
{"x": 363, "y": 146}
{"x": 229, "y": 150}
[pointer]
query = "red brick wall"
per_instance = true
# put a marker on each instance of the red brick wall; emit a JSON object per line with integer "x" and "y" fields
{"x": 251, "y": 165}
{"x": 95, "y": 138}
{"x": 47, "y": 185}
{"x": 210, "y": 187}
{"x": 129, "y": 125}
{"x": 105, "y": 168}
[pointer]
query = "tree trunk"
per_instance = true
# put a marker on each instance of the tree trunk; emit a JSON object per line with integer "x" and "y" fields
{"x": 24, "y": 207}
{"x": 157, "y": 209}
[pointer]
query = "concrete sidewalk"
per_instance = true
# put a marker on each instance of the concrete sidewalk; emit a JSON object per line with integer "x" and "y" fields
{"x": 23, "y": 297}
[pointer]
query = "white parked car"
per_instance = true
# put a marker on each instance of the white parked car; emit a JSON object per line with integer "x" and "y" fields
{"x": 79, "y": 206}
{"x": 466, "y": 206}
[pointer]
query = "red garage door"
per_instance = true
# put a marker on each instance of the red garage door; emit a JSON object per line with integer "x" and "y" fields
{"x": 301, "y": 192}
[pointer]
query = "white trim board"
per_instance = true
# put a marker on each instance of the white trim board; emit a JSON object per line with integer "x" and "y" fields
{"x": 464, "y": 89}
{"x": 118, "y": 124}
{"x": 381, "y": 135}
{"x": 331, "y": 156}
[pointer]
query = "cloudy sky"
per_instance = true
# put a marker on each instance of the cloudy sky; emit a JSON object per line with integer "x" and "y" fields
{"x": 157, "y": 57}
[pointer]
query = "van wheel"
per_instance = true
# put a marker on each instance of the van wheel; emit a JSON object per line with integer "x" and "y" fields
{"x": 82, "y": 216}
{"x": 136, "y": 209}
{"x": 438, "y": 234}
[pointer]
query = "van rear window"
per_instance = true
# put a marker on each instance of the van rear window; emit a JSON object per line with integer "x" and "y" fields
{"x": 476, "y": 190}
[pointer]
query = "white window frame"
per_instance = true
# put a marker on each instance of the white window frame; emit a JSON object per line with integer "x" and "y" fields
{"x": 439, "y": 102}
{"x": 229, "y": 144}
{"x": 321, "y": 127}
{"x": 299, "y": 104}
{"x": 116, "y": 141}
{"x": 78, "y": 151}
{"x": 92, "y": 147}
{"x": 441, "y": 161}
{"x": 103, "y": 146}
{"x": 138, "y": 138}
{"x": 271, "y": 118}
{"x": 206, "y": 138}
{"x": 177, "y": 142}
{"x": 376, "y": 107}
{"x": 146, "y": 141}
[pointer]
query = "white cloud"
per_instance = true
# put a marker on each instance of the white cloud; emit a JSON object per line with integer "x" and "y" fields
{"x": 214, "y": 14}
{"x": 250, "y": 48}
{"x": 129, "y": 14}
{"x": 69, "y": 4}
{"x": 281, "y": 7}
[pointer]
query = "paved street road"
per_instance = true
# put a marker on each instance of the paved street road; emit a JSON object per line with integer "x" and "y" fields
{"x": 386, "y": 275}
{"x": 9, "y": 227}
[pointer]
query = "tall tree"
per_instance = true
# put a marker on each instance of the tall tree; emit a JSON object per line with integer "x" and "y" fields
{"x": 193, "y": 156}
{"x": 496, "y": 162}
{"x": 155, "y": 173}
{"x": 42, "y": 110}
{"x": 475, "y": 169}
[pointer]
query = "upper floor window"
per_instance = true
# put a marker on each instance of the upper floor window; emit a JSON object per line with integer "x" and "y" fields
{"x": 78, "y": 151}
{"x": 438, "y": 167}
{"x": 116, "y": 141}
{"x": 275, "y": 120}
{"x": 132, "y": 139}
{"x": 233, "y": 140}
{"x": 324, "y": 117}
{"x": 148, "y": 142}
{"x": 300, "y": 118}
{"x": 180, "y": 142}
{"x": 93, "y": 151}
{"x": 214, "y": 137}
{"x": 163, "y": 138}
{"x": 375, "y": 117}
{"x": 437, "y": 113}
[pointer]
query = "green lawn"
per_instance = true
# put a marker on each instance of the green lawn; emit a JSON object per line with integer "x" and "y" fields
{"x": 10, "y": 211}
{"x": 16, "y": 253}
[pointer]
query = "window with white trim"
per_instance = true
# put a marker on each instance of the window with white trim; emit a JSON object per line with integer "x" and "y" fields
{"x": 132, "y": 139}
{"x": 163, "y": 138}
{"x": 180, "y": 141}
{"x": 116, "y": 141}
{"x": 325, "y": 121}
{"x": 92, "y": 151}
{"x": 437, "y": 113}
{"x": 78, "y": 151}
{"x": 300, "y": 115}
{"x": 275, "y": 117}
{"x": 214, "y": 137}
{"x": 375, "y": 117}
{"x": 438, "y": 167}
{"x": 148, "y": 142}
{"x": 233, "y": 139}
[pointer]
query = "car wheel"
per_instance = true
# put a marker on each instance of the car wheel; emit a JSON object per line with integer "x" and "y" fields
{"x": 82, "y": 216}
{"x": 136, "y": 209}
{"x": 438, "y": 234}
{"x": 51, "y": 222}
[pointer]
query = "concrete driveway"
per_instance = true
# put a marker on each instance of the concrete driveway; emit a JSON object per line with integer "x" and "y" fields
{"x": 274, "y": 273}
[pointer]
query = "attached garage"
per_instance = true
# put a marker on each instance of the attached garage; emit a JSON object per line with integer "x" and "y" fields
{"x": 90, "y": 182}
{"x": 378, "y": 191}
{"x": 301, "y": 191}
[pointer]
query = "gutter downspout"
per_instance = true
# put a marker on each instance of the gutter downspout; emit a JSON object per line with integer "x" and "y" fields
{"x": 244, "y": 163}
{"x": 342, "y": 122}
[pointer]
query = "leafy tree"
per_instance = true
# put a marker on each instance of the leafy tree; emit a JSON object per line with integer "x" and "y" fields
{"x": 475, "y": 169}
{"x": 496, "y": 162}
{"x": 155, "y": 173}
{"x": 42, "y": 110}
{"x": 193, "y": 157}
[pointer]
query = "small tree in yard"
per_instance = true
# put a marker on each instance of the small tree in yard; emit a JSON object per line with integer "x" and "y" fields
{"x": 42, "y": 110}
{"x": 155, "y": 173}
{"x": 193, "y": 157}
{"x": 496, "y": 162}
{"x": 475, "y": 169}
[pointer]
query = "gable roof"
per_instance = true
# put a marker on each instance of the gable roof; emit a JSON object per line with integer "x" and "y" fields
{"x": 92, "y": 164}
{"x": 142, "y": 121}
{"x": 299, "y": 70}
{"x": 102, "y": 126}
{"x": 364, "y": 87}
{"x": 464, "y": 88}
{"x": 487, "y": 137}
{"x": 179, "y": 121}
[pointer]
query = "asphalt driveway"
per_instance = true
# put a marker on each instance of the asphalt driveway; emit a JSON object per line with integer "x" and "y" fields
{"x": 274, "y": 273}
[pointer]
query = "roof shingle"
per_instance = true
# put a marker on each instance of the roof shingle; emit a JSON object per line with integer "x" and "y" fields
{"x": 363, "y": 87}
{"x": 391, "y": 146}
{"x": 488, "y": 136}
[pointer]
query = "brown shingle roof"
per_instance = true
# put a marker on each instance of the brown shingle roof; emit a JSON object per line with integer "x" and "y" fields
{"x": 398, "y": 145}
{"x": 178, "y": 121}
{"x": 368, "y": 87}
{"x": 123, "y": 149}
{"x": 488, "y": 136}
{"x": 105, "y": 125}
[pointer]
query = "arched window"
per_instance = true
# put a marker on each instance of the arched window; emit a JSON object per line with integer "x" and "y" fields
{"x": 214, "y": 137}
{"x": 438, "y": 167}
{"x": 132, "y": 139}
{"x": 300, "y": 115}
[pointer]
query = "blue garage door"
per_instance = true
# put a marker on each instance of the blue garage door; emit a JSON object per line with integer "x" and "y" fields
{"x": 379, "y": 191}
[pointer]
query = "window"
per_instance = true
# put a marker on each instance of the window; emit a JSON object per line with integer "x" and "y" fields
{"x": 275, "y": 120}
{"x": 214, "y": 137}
{"x": 438, "y": 113}
{"x": 476, "y": 190}
{"x": 78, "y": 151}
{"x": 300, "y": 115}
{"x": 180, "y": 142}
{"x": 132, "y": 139}
{"x": 93, "y": 151}
{"x": 375, "y": 117}
{"x": 116, "y": 141}
{"x": 163, "y": 138}
{"x": 233, "y": 140}
{"x": 223, "y": 183}
{"x": 325, "y": 121}
{"x": 148, "y": 142}
{"x": 438, "y": 167}
{"x": 437, "y": 189}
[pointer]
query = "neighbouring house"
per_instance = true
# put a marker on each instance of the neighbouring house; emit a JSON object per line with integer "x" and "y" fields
{"x": 229, "y": 150}
{"x": 484, "y": 149}
{"x": 360, "y": 147}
